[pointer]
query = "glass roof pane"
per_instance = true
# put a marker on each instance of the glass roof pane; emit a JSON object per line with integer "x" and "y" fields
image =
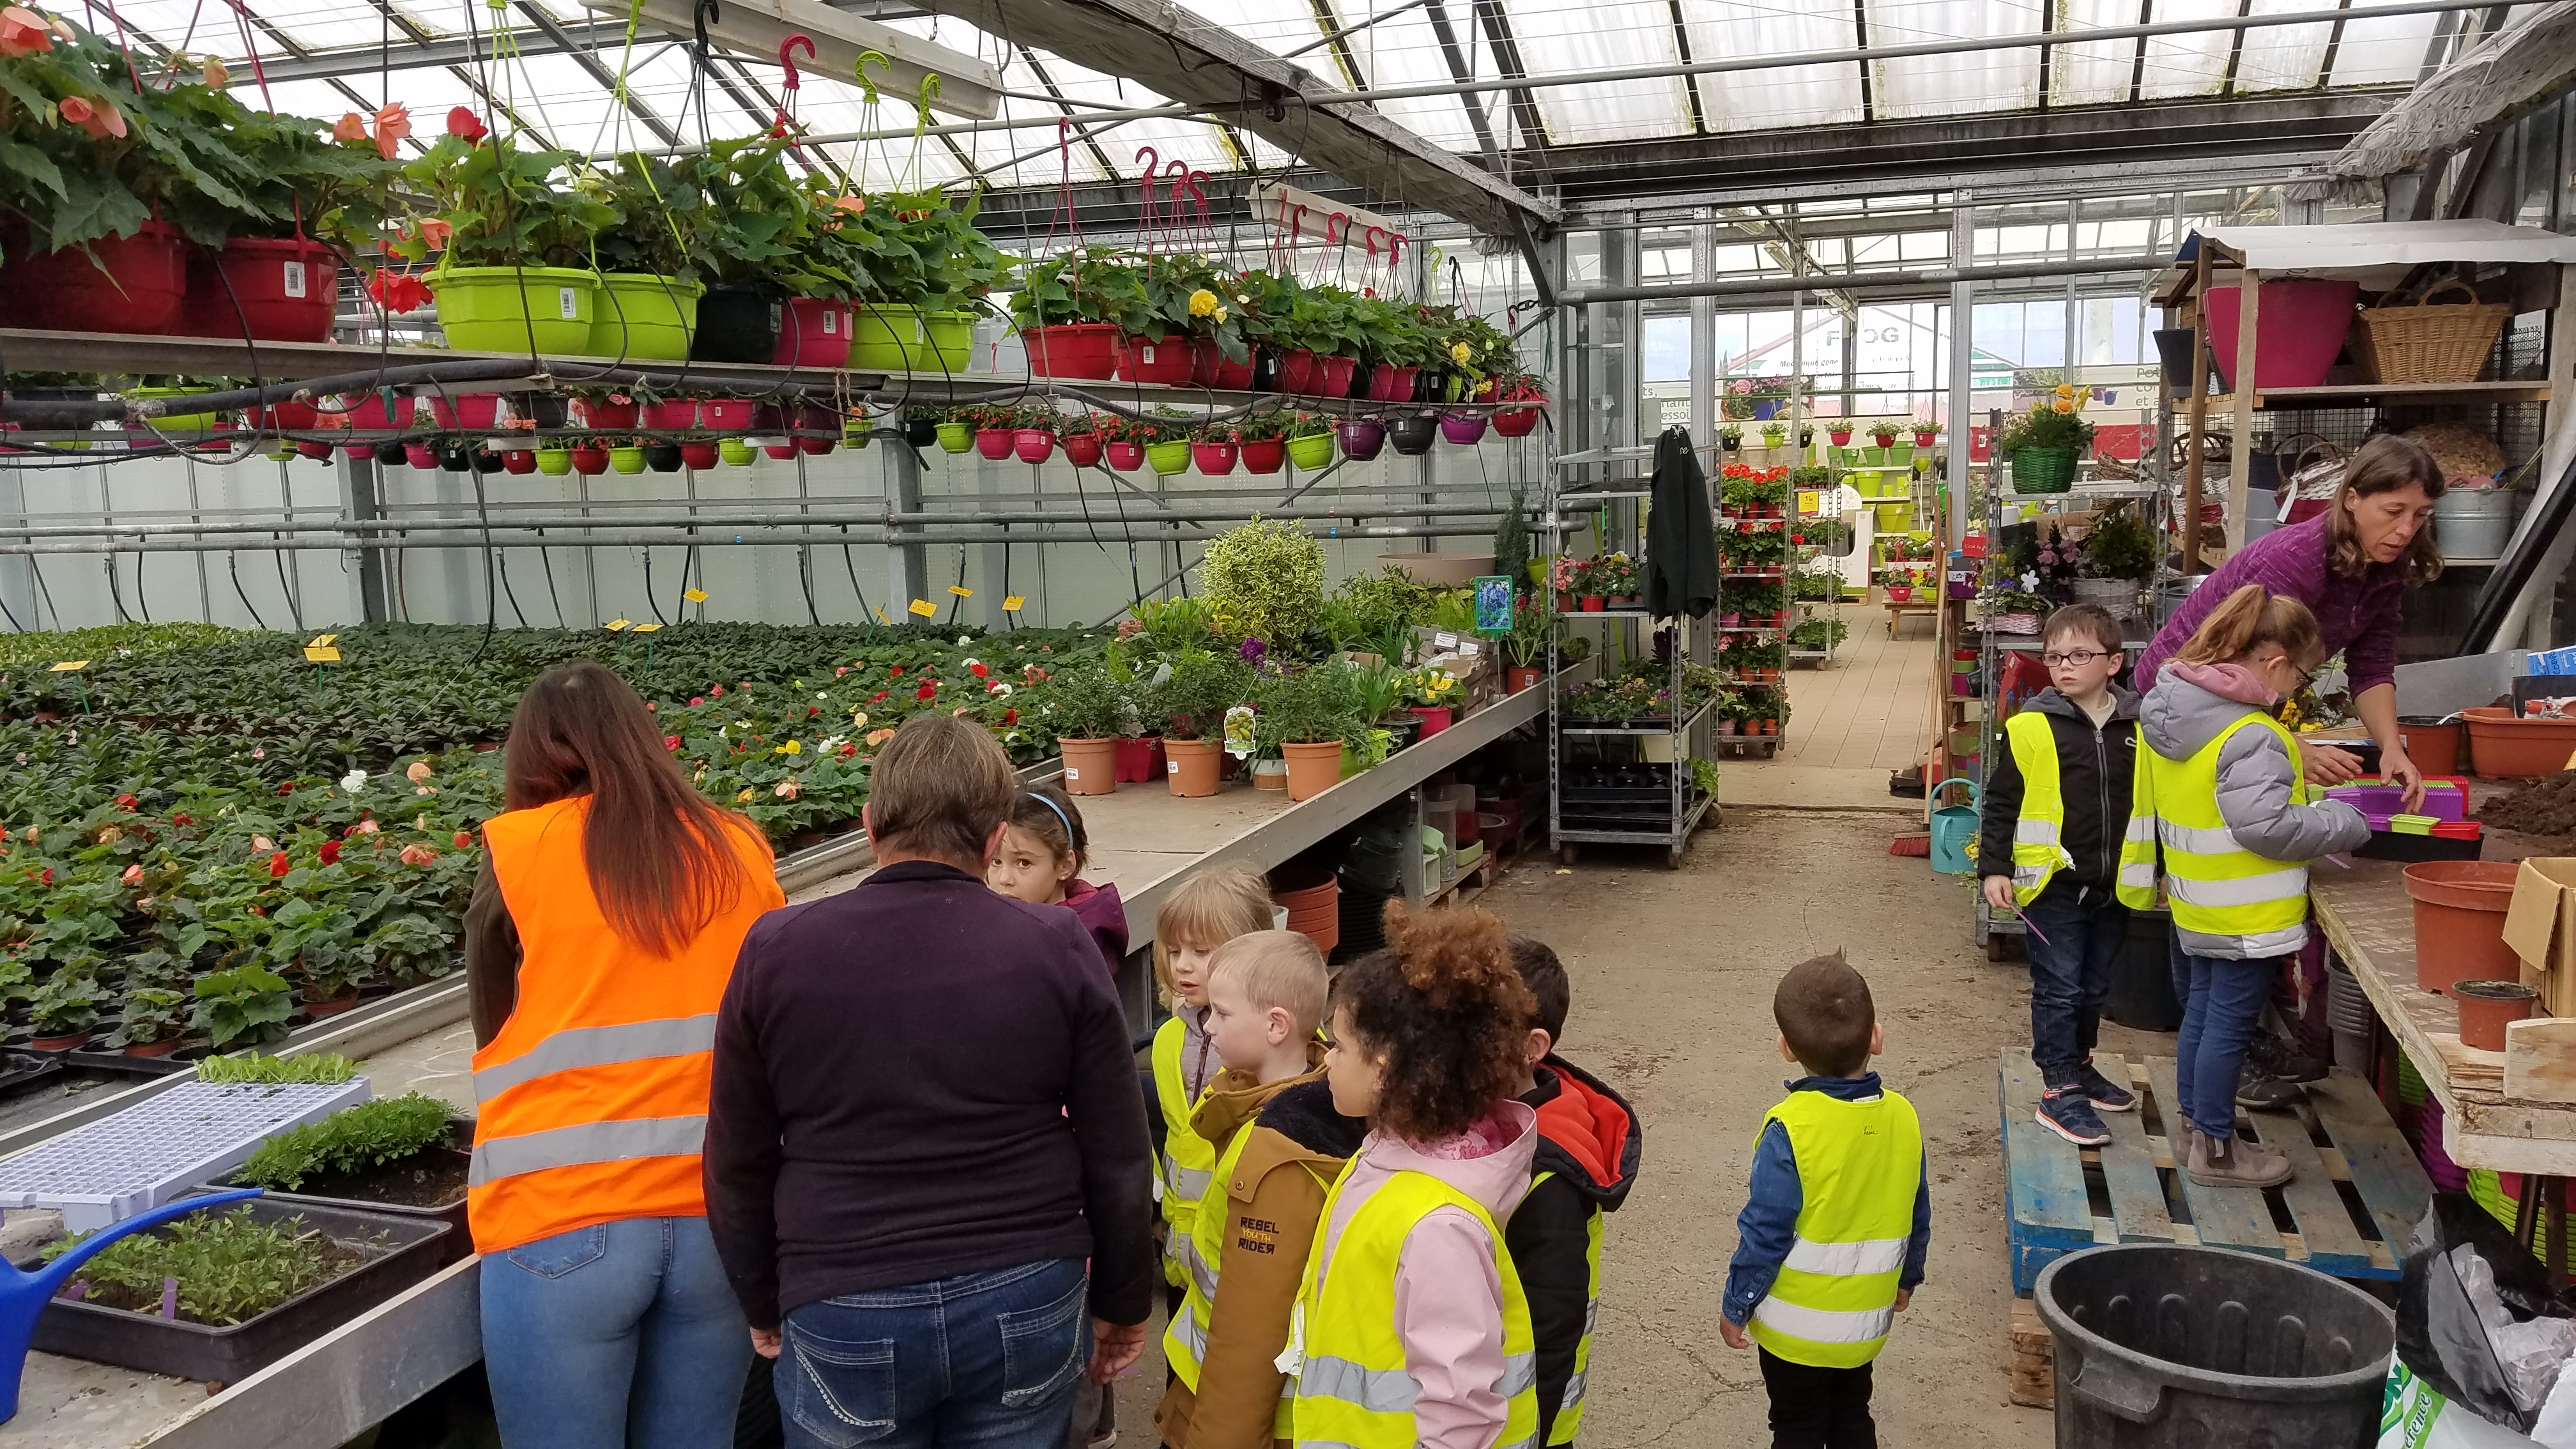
{"x": 1404, "y": 51}
{"x": 2386, "y": 51}
{"x": 1949, "y": 85}
{"x": 1555, "y": 38}
{"x": 1804, "y": 95}
{"x": 2282, "y": 57}
{"x": 2100, "y": 72}
{"x": 2187, "y": 65}
{"x": 1281, "y": 28}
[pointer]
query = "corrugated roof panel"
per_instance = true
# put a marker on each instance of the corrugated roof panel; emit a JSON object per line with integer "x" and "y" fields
{"x": 2099, "y": 72}
{"x": 1806, "y": 95}
{"x": 1554, "y": 38}
{"x": 2187, "y": 65}
{"x": 1950, "y": 85}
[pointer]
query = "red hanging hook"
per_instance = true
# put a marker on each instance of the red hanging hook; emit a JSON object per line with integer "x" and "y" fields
{"x": 1333, "y": 228}
{"x": 1153, "y": 159}
{"x": 1198, "y": 194}
{"x": 787, "y": 98}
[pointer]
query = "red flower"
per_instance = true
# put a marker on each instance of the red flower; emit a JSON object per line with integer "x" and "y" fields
{"x": 716, "y": 690}
{"x": 1010, "y": 716}
{"x": 926, "y": 691}
{"x": 124, "y": 802}
{"x": 895, "y": 673}
{"x": 181, "y": 820}
{"x": 651, "y": 708}
{"x": 286, "y": 789}
{"x": 696, "y": 700}
{"x": 848, "y": 750}
{"x": 398, "y": 291}
{"x": 49, "y": 875}
{"x": 980, "y": 670}
{"x": 464, "y": 839}
{"x": 133, "y": 875}
{"x": 877, "y": 698}
{"x": 463, "y": 122}
{"x": 670, "y": 742}
{"x": 330, "y": 852}
{"x": 813, "y": 711}
{"x": 277, "y": 865}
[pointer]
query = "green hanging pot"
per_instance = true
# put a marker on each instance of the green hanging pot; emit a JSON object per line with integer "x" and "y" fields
{"x": 735, "y": 452}
{"x": 1168, "y": 457}
{"x": 644, "y": 317}
{"x": 505, "y": 309}
{"x": 554, "y": 462}
{"x": 626, "y": 460}
{"x": 1311, "y": 454}
{"x": 955, "y": 437}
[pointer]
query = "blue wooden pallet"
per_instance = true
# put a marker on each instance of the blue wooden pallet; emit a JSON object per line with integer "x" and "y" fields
{"x": 2063, "y": 1197}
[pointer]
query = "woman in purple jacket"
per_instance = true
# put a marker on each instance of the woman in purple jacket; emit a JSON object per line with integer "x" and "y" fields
{"x": 2351, "y": 567}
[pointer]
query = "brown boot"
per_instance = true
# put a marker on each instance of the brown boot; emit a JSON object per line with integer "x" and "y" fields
{"x": 2235, "y": 1162}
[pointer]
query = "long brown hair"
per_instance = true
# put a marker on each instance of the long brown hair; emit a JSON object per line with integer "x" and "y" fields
{"x": 2382, "y": 465}
{"x": 1445, "y": 1007}
{"x": 2250, "y": 618}
{"x": 655, "y": 849}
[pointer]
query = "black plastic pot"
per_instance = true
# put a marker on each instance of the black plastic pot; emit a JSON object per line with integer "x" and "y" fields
{"x": 1361, "y": 371}
{"x": 549, "y": 409}
{"x": 2142, "y": 994}
{"x": 2173, "y": 350}
{"x": 409, "y": 1249}
{"x": 1265, "y": 368}
{"x": 736, "y": 324}
{"x": 453, "y": 458}
{"x": 388, "y": 453}
{"x": 1413, "y": 436}
{"x": 485, "y": 460}
{"x": 1427, "y": 384}
{"x": 921, "y": 432}
{"x": 662, "y": 457}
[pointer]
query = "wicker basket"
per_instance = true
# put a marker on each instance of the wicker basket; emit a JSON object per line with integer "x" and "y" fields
{"x": 2429, "y": 342}
{"x": 2043, "y": 470}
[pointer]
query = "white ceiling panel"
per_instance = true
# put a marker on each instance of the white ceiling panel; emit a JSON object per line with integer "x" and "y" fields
{"x": 2384, "y": 51}
{"x": 1554, "y": 38}
{"x": 1757, "y": 100}
{"x": 1950, "y": 85}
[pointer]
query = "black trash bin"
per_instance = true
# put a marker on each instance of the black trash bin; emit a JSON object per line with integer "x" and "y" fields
{"x": 2162, "y": 1344}
{"x": 2142, "y": 994}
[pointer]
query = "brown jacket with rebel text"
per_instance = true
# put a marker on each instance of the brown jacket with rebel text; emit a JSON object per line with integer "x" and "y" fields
{"x": 1273, "y": 1200}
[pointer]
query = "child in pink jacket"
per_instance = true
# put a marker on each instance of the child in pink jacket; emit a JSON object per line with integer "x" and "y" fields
{"x": 1428, "y": 1040}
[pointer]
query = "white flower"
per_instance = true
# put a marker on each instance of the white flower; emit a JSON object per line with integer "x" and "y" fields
{"x": 830, "y": 742}
{"x": 1000, "y": 687}
{"x": 819, "y": 694}
{"x": 963, "y": 641}
{"x": 354, "y": 781}
{"x": 971, "y": 663}
{"x": 2030, "y": 582}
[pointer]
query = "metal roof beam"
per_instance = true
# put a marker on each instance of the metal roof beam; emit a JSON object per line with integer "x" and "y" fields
{"x": 432, "y": 54}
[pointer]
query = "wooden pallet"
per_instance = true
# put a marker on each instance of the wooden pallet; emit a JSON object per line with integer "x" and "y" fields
{"x": 2034, "y": 1359}
{"x": 2357, "y": 1197}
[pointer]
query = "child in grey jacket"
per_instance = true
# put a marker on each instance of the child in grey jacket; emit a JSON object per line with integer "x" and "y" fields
{"x": 2237, "y": 830}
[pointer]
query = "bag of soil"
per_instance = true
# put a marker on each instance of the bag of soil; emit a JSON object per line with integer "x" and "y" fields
{"x": 2476, "y": 1322}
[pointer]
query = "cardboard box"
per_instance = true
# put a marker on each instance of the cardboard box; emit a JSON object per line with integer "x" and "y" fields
{"x": 2540, "y": 926}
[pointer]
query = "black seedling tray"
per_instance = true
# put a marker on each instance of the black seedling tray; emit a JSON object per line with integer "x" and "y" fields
{"x": 119, "y": 1064}
{"x": 18, "y": 1069}
{"x": 2397, "y": 845}
{"x": 459, "y": 1243}
{"x": 412, "y": 1248}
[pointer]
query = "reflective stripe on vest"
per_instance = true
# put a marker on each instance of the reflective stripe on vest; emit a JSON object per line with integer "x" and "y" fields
{"x": 1188, "y": 1162}
{"x": 1569, "y": 1405}
{"x": 1353, "y": 1389}
{"x": 2038, "y": 848}
{"x": 1860, "y": 1166}
{"x": 592, "y": 1098}
{"x": 2217, "y": 886}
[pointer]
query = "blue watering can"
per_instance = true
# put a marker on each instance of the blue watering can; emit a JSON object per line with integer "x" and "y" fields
{"x": 23, "y": 1294}
{"x": 1954, "y": 829}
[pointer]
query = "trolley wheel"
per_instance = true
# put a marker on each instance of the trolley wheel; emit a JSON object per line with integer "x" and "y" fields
{"x": 1565, "y": 855}
{"x": 1673, "y": 858}
{"x": 1997, "y": 948}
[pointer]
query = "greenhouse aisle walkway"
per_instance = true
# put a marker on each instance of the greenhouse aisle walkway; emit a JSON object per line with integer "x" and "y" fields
{"x": 1850, "y": 725}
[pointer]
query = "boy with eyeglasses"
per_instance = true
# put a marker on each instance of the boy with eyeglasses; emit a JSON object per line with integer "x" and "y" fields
{"x": 2069, "y": 842}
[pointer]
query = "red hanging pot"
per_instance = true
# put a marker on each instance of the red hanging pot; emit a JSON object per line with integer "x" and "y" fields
{"x": 817, "y": 420}
{"x": 471, "y": 411}
{"x": 1298, "y": 371}
{"x": 285, "y": 417}
{"x": 137, "y": 285}
{"x": 1390, "y": 383}
{"x": 813, "y": 332}
{"x": 1141, "y": 359}
{"x": 694, "y": 455}
{"x": 1125, "y": 456}
{"x": 600, "y": 413}
{"x": 1265, "y": 455}
{"x": 519, "y": 460}
{"x": 1214, "y": 459}
{"x": 420, "y": 455}
{"x": 1208, "y": 367}
{"x": 1034, "y": 445}
{"x": 1082, "y": 450}
{"x": 270, "y": 290}
{"x": 726, "y": 414}
{"x": 1333, "y": 376}
{"x": 1072, "y": 349}
{"x": 996, "y": 443}
{"x": 677, "y": 415}
{"x": 1516, "y": 422}
{"x": 590, "y": 461}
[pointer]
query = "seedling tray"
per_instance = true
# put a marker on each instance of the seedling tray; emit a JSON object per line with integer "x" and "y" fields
{"x": 404, "y": 1250}
{"x": 19, "y": 1069}
{"x": 119, "y": 1064}
{"x": 459, "y": 1242}
{"x": 158, "y": 1148}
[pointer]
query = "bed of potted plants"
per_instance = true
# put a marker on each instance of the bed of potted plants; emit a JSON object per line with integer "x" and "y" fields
{"x": 403, "y": 1155}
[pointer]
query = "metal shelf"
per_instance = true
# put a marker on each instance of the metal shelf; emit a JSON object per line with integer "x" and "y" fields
{"x": 1670, "y": 728}
{"x": 1690, "y": 822}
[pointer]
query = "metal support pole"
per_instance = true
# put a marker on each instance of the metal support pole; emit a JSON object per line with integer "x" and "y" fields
{"x": 907, "y": 566}
{"x": 361, "y": 497}
{"x": 1703, "y": 333}
{"x": 1963, "y": 331}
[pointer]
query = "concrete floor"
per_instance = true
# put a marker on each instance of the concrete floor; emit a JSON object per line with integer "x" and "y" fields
{"x": 1673, "y": 973}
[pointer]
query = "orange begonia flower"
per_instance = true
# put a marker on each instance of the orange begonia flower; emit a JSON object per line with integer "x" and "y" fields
{"x": 393, "y": 123}
{"x": 215, "y": 74}
{"x": 23, "y": 32}
{"x": 352, "y": 127}
{"x": 73, "y": 109}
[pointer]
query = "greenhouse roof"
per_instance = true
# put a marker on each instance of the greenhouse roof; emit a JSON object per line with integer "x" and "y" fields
{"x": 1596, "y": 72}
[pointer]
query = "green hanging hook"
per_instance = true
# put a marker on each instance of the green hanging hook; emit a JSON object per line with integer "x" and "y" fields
{"x": 867, "y": 87}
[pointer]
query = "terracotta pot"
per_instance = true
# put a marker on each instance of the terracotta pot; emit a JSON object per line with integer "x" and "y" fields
{"x": 2503, "y": 747}
{"x": 2435, "y": 748}
{"x": 334, "y": 1006}
{"x": 2459, "y": 921}
{"x": 1090, "y": 766}
{"x": 2487, "y": 1007}
{"x": 153, "y": 1048}
{"x": 1312, "y": 768}
{"x": 1516, "y": 679}
{"x": 71, "y": 1042}
{"x": 1190, "y": 767}
{"x": 1140, "y": 761}
{"x": 1434, "y": 717}
{"x": 1312, "y": 899}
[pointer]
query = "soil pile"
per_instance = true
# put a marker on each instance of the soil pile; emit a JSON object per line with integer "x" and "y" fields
{"x": 2543, "y": 807}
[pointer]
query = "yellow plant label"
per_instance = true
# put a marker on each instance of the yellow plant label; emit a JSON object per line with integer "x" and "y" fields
{"x": 613, "y": 625}
{"x": 695, "y": 596}
{"x": 646, "y": 628}
{"x": 881, "y": 615}
{"x": 961, "y": 591}
{"x": 1011, "y": 604}
{"x": 323, "y": 641}
{"x": 69, "y": 666}
{"x": 321, "y": 654}
{"x": 1808, "y": 502}
{"x": 924, "y": 608}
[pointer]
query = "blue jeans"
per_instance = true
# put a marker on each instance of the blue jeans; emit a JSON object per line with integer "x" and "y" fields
{"x": 2222, "y": 1007}
{"x": 2070, "y": 974}
{"x": 621, "y": 1335}
{"x": 985, "y": 1359}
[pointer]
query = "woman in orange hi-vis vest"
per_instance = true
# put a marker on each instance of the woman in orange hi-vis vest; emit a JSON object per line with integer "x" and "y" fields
{"x": 612, "y": 903}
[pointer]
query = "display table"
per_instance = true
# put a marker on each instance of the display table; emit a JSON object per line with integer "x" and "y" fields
{"x": 2370, "y": 922}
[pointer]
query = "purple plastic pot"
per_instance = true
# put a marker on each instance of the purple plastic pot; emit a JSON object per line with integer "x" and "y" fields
{"x": 1362, "y": 438}
{"x": 1462, "y": 429}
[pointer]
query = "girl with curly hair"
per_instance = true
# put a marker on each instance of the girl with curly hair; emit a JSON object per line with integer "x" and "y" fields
{"x": 1411, "y": 1328}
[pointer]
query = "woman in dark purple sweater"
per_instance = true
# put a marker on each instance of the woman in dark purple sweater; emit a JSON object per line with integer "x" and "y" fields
{"x": 924, "y": 1121}
{"x": 2351, "y": 567}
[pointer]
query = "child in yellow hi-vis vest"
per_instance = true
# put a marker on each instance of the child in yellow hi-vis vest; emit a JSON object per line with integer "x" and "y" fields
{"x": 2238, "y": 830}
{"x": 1831, "y": 1245}
{"x": 2068, "y": 844}
{"x": 1202, "y": 913}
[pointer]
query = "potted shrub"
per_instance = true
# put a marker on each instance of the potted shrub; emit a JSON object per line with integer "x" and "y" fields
{"x": 1265, "y": 578}
{"x": 1062, "y": 308}
{"x": 63, "y": 1010}
{"x": 956, "y": 431}
{"x": 1619, "y": 581}
{"x": 1310, "y": 442}
{"x": 929, "y": 270}
{"x": 1586, "y": 578}
{"x": 627, "y": 457}
{"x": 589, "y": 457}
{"x": 1775, "y": 436}
{"x": 1192, "y": 703}
{"x": 1883, "y": 432}
{"x": 2119, "y": 558}
{"x": 2045, "y": 443}
{"x": 1526, "y": 644}
{"x": 1088, "y": 711}
{"x": 151, "y": 1022}
{"x": 1263, "y": 438}
{"x": 996, "y": 427}
{"x": 1839, "y": 432}
{"x": 1306, "y": 715}
{"x": 1122, "y": 442}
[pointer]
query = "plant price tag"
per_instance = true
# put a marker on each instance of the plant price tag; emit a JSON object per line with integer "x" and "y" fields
{"x": 1238, "y": 731}
{"x": 961, "y": 591}
{"x": 69, "y": 666}
{"x": 695, "y": 596}
{"x": 614, "y": 625}
{"x": 646, "y": 628}
{"x": 321, "y": 654}
{"x": 1011, "y": 604}
{"x": 924, "y": 608}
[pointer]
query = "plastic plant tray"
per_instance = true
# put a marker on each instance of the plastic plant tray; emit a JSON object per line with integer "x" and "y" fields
{"x": 161, "y": 1147}
{"x": 2445, "y": 798}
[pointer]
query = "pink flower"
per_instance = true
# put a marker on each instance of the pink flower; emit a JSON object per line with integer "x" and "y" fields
{"x": 787, "y": 790}
{"x": 463, "y": 122}
{"x": 696, "y": 699}
{"x": 670, "y": 742}
{"x": 418, "y": 772}
{"x": 364, "y": 827}
{"x": 840, "y": 670}
{"x": 418, "y": 855}
{"x": 261, "y": 844}
{"x": 392, "y": 126}
{"x": 22, "y": 32}
{"x": 351, "y": 127}
{"x": 133, "y": 875}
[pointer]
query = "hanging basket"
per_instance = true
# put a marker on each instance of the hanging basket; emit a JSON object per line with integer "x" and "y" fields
{"x": 2043, "y": 470}
{"x": 2430, "y": 342}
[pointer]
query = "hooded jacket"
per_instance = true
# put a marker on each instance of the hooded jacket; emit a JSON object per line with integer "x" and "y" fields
{"x": 1102, "y": 916}
{"x": 1589, "y": 1149}
{"x": 1273, "y": 1198}
{"x": 2095, "y": 771}
{"x": 1448, "y": 1279}
{"x": 2189, "y": 706}
{"x": 1681, "y": 535}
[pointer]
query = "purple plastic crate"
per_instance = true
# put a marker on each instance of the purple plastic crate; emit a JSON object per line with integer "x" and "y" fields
{"x": 2441, "y": 801}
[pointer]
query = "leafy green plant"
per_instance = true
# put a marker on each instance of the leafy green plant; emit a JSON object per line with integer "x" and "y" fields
{"x": 231, "y": 1267}
{"x": 1512, "y": 538}
{"x": 151, "y": 1014}
{"x": 1264, "y": 580}
{"x": 320, "y": 1067}
{"x": 2119, "y": 547}
{"x": 1307, "y": 706}
{"x": 2051, "y": 423}
{"x": 348, "y": 1142}
{"x": 66, "y": 1002}
{"x": 1087, "y": 704}
{"x": 504, "y": 205}
{"x": 1376, "y": 690}
{"x": 1818, "y": 633}
{"x": 246, "y": 1003}
{"x": 1191, "y": 702}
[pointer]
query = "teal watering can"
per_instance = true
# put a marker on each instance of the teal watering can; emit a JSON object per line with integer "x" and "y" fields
{"x": 1954, "y": 829}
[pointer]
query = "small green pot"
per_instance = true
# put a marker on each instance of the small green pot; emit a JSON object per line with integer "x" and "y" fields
{"x": 178, "y": 422}
{"x": 626, "y": 460}
{"x": 1311, "y": 454}
{"x": 554, "y": 462}
{"x": 1901, "y": 453}
{"x": 1874, "y": 456}
{"x": 1168, "y": 457}
{"x": 502, "y": 309}
{"x": 735, "y": 452}
{"x": 890, "y": 337}
{"x": 955, "y": 437}
{"x": 644, "y": 317}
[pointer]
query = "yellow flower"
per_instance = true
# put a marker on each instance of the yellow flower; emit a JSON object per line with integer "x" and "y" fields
{"x": 2065, "y": 405}
{"x": 792, "y": 747}
{"x": 1202, "y": 303}
{"x": 1460, "y": 353}
{"x": 2066, "y": 389}
{"x": 1220, "y": 314}
{"x": 743, "y": 797}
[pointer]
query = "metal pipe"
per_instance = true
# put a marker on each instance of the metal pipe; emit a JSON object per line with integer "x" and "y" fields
{"x": 1846, "y": 281}
{"x": 1862, "y": 55}
{"x": 473, "y": 539}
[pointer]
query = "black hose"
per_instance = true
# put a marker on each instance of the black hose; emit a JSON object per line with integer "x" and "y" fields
{"x": 491, "y": 604}
{"x": 232, "y": 562}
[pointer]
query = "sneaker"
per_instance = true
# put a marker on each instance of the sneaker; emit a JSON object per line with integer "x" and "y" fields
{"x": 2266, "y": 1094}
{"x": 2068, "y": 1113}
{"x": 2235, "y": 1162}
{"x": 2105, "y": 1094}
{"x": 2271, "y": 1056}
